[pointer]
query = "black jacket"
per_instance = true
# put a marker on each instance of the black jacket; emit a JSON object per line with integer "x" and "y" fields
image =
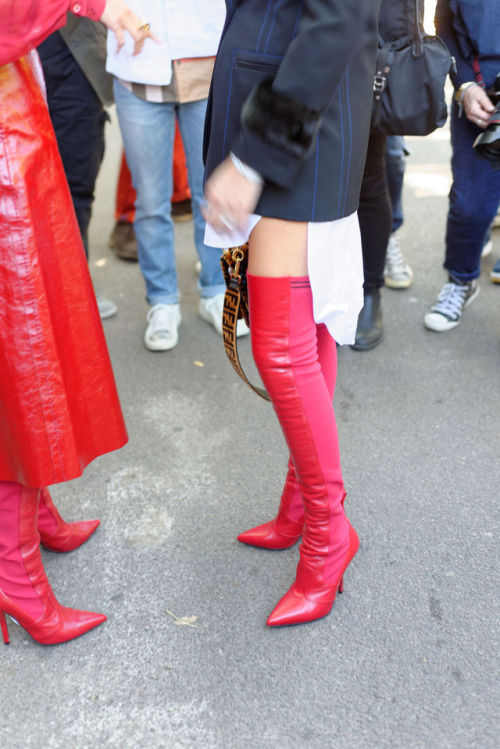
{"x": 398, "y": 18}
{"x": 291, "y": 96}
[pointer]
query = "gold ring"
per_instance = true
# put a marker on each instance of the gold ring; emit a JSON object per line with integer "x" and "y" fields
{"x": 143, "y": 27}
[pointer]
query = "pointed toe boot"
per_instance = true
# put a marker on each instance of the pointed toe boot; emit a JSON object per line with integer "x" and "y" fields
{"x": 286, "y": 528}
{"x": 25, "y": 592}
{"x": 311, "y": 595}
{"x": 285, "y": 349}
{"x": 55, "y": 533}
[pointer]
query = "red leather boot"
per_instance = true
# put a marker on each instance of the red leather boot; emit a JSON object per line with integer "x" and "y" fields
{"x": 286, "y": 528}
{"x": 284, "y": 344}
{"x": 25, "y": 592}
{"x": 55, "y": 533}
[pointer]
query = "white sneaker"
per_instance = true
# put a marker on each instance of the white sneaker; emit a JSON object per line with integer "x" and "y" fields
{"x": 106, "y": 307}
{"x": 397, "y": 273}
{"x": 210, "y": 309}
{"x": 452, "y": 300}
{"x": 162, "y": 332}
{"x": 487, "y": 248}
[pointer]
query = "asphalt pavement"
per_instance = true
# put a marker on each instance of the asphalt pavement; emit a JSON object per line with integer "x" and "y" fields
{"x": 408, "y": 656}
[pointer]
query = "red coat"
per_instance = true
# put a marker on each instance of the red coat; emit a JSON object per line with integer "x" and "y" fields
{"x": 59, "y": 407}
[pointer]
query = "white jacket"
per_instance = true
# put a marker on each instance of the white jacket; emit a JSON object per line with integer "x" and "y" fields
{"x": 185, "y": 28}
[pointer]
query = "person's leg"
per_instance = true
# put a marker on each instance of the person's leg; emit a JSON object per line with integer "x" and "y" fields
{"x": 78, "y": 118}
{"x": 285, "y": 348}
{"x": 191, "y": 118}
{"x": 122, "y": 239}
{"x": 286, "y": 528}
{"x": 125, "y": 194}
{"x": 375, "y": 221}
{"x": 148, "y": 136}
{"x": 395, "y": 163}
{"x": 181, "y": 193}
{"x": 397, "y": 273}
{"x": 473, "y": 203}
{"x": 25, "y": 592}
{"x": 474, "y": 200}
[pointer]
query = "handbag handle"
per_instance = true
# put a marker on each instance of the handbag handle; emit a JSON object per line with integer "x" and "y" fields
{"x": 234, "y": 264}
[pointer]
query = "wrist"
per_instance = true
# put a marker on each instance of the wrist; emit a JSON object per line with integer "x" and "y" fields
{"x": 460, "y": 93}
{"x": 252, "y": 175}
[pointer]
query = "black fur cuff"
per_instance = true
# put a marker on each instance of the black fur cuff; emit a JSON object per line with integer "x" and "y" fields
{"x": 280, "y": 120}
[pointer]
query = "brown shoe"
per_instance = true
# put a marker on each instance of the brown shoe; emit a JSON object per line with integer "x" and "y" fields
{"x": 122, "y": 241}
{"x": 182, "y": 211}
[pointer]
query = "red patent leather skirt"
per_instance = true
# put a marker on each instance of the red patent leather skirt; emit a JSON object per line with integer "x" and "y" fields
{"x": 59, "y": 407}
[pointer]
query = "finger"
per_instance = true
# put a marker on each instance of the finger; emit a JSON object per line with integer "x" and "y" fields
{"x": 138, "y": 45}
{"x": 119, "y": 37}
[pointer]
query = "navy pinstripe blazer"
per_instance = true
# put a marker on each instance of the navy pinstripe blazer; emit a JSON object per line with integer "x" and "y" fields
{"x": 291, "y": 96}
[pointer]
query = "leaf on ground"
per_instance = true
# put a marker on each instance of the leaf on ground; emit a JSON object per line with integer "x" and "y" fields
{"x": 185, "y": 621}
{"x": 198, "y": 363}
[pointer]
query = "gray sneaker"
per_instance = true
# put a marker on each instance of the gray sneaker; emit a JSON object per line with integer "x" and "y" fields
{"x": 397, "y": 273}
{"x": 106, "y": 307}
{"x": 452, "y": 300}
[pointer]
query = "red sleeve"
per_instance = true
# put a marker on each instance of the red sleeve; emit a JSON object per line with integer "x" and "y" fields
{"x": 24, "y": 24}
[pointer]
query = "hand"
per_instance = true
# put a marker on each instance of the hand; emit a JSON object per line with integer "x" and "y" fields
{"x": 119, "y": 18}
{"x": 231, "y": 198}
{"x": 477, "y": 106}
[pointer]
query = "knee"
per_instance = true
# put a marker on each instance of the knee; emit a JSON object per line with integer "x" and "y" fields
{"x": 465, "y": 208}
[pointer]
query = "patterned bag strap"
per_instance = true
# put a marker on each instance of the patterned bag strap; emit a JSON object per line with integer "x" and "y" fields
{"x": 234, "y": 264}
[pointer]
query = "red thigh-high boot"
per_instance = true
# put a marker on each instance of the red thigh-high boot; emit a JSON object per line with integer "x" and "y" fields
{"x": 25, "y": 592}
{"x": 55, "y": 533}
{"x": 286, "y": 528}
{"x": 284, "y": 344}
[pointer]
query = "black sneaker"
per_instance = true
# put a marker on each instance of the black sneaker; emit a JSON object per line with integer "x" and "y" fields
{"x": 452, "y": 299}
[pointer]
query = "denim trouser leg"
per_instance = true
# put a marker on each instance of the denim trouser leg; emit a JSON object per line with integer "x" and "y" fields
{"x": 474, "y": 200}
{"x": 148, "y": 130}
{"x": 191, "y": 123}
{"x": 395, "y": 162}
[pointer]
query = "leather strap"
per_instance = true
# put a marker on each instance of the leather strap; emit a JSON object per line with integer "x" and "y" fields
{"x": 235, "y": 308}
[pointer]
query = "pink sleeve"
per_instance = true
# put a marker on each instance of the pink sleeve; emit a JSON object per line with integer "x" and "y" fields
{"x": 26, "y": 23}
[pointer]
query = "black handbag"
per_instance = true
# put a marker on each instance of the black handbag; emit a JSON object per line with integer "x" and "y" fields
{"x": 409, "y": 84}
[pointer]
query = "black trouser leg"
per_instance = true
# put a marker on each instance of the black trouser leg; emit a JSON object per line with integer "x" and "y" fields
{"x": 375, "y": 213}
{"x": 78, "y": 118}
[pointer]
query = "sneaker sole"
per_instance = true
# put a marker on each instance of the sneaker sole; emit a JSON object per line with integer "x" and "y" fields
{"x": 161, "y": 346}
{"x": 392, "y": 284}
{"x": 439, "y": 323}
{"x": 107, "y": 315}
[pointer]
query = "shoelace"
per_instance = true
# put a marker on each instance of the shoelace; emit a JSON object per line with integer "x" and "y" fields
{"x": 451, "y": 299}
{"x": 394, "y": 257}
{"x": 161, "y": 318}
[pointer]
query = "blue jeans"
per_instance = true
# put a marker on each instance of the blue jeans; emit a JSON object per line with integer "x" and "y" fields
{"x": 474, "y": 200}
{"x": 395, "y": 162}
{"x": 148, "y": 130}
